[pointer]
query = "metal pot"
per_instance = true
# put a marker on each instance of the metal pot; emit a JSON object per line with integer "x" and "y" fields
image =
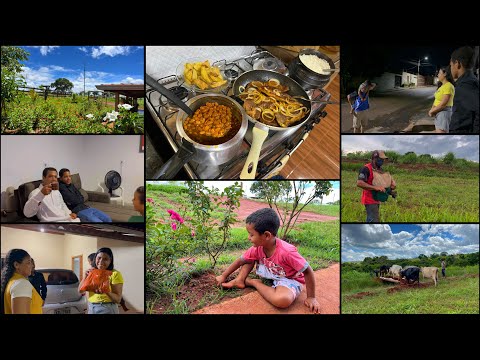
{"x": 191, "y": 150}
{"x": 260, "y": 130}
{"x": 309, "y": 79}
{"x": 215, "y": 154}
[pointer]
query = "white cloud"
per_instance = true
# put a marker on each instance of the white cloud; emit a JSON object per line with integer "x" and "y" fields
{"x": 60, "y": 68}
{"x": 130, "y": 80}
{"x": 37, "y": 77}
{"x": 110, "y": 51}
{"x": 44, "y": 50}
{"x": 83, "y": 49}
{"x": 359, "y": 241}
{"x": 463, "y": 146}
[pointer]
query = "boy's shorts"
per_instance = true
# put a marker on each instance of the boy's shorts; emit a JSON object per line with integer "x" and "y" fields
{"x": 293, "y": 285}
{"x": 360, "y": 119}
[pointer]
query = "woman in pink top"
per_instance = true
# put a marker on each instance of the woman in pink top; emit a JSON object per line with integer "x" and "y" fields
{"x": 276, "y": 260}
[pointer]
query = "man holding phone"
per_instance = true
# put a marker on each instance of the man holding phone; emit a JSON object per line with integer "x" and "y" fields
{"x": 46, "y": 201}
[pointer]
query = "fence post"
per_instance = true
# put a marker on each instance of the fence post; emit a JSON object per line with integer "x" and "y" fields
{"x": 45, "y": 94}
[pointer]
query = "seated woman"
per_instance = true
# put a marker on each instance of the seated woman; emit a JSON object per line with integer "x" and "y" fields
{"x": 138, "y": 204}
{"x": 105, "y": 303}
{"x": 18, "y": 294}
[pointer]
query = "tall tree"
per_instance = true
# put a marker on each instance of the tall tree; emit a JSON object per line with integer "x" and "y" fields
{"x": 290, "y": 198}
{"x": 11, "y": 68}
{"x": 62, "y": 85}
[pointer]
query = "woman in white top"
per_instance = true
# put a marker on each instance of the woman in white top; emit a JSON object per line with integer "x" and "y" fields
{"x": 18, "y": 295}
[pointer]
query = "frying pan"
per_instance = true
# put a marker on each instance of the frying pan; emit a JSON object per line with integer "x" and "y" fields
{"x": 261, "y": 130}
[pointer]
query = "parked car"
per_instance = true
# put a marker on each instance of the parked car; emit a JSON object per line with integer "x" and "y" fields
{"x": 62, "y": 292}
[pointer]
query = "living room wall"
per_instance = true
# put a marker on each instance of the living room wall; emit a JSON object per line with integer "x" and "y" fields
{"x": 24, "y": 156}
{"x": 92, "y": 156}
{"x": 108, "y": 154}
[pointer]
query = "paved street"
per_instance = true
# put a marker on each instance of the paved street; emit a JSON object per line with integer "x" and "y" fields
{"x": 394, "y": 110}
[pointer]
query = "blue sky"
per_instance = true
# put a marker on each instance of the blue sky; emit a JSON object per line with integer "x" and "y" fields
{"x": 104, "y": 65}
{"x": 407, "y": 240}
{"x": 463, "y": 146}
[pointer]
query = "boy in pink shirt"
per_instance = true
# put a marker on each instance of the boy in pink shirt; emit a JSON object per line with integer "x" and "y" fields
{"x": 276, "y": 260}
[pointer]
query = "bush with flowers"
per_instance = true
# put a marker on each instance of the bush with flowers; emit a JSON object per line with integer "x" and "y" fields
{"x": 128, "y": 122}
{"x": 172, "y": 236}
{"x": 168, "y": 239}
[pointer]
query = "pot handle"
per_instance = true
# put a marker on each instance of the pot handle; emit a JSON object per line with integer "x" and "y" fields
{"x": 168, "y": 170}
{"x": 259, "y": 136}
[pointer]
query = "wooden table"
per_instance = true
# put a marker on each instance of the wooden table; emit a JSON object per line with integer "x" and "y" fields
{"x": 319, "y": 156}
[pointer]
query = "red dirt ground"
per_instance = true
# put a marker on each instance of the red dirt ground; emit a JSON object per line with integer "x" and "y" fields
{"x": 406, "y": 287}
{"x": 327, "y": 293}
{"x": 249, "y": 206}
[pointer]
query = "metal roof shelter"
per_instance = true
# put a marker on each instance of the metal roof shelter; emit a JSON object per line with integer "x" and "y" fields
{"x": 134, "y": 91}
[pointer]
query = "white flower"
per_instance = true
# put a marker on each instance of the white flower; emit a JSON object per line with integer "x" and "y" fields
{"x": 126, "y": 106}
{"x": 111, "y": 116}
{"x": 89, "y": 116}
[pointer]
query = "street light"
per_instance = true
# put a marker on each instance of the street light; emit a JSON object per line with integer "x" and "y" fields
{"x": 418, "y": 69}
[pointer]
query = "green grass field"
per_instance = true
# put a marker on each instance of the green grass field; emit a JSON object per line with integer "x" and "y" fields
{"x": 457, "y": 294}
{"x": 420, "y": 199}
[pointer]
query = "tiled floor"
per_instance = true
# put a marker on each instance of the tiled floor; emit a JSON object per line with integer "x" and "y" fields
{"x": 319, "y": 156}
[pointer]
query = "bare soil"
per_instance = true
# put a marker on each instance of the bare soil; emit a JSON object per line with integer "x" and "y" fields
{"x": 327, "y": 293}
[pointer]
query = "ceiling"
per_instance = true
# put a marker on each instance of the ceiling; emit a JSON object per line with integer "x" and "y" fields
{"x": 126, "y": 232}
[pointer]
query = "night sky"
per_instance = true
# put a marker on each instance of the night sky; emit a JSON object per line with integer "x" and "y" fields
{"x": 373, "y": 60}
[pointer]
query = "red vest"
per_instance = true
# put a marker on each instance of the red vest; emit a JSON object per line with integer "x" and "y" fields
{"x": 367, "y": 197}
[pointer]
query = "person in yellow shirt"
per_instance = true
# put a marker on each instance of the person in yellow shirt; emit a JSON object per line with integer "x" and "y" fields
{"x": 442, "y": 105}
{"x": 105, "y": 303}
{"x": 18, "y": 294}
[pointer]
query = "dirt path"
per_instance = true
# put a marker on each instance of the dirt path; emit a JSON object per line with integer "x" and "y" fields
{"x": 249, "y": 206}
{"x": 327, "y": 293}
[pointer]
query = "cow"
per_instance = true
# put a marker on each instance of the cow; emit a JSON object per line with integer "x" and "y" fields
{"x": 384, "y": 270}
{"x": 395, "y": 271}
{"x": 411, "y": 273}
{"x": 430, "y": 272}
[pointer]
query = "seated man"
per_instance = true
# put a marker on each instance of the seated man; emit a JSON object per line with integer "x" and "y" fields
{"x": 75, "y": 201}
{"x": 46, "y": 201}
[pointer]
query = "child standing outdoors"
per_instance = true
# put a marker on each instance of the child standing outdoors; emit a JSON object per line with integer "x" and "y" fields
{"x": 276, "y": 260}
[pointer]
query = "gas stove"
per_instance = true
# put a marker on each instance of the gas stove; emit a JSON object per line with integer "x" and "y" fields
{"x": 277, "y": 148}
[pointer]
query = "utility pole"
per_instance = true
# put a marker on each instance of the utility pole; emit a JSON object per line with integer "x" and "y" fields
{"x": 83, "y": 78}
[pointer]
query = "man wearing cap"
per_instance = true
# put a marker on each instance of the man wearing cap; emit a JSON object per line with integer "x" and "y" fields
{"x": 361, "y": 105}
{"x": 365, "y": 181}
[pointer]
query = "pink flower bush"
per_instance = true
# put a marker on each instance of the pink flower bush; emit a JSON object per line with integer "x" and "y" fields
{"x": 150, "y": 200}
{"x": 175, "y": 216}
{"x": 174, "y": 226}
{"x": 193, "y": 233}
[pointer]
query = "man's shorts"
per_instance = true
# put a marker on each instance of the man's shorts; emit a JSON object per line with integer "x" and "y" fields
{"x": 293, "y": 285}
{"x": 360, "y": 119}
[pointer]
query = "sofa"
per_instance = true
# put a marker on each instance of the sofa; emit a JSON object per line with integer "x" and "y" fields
{"x": 95, "y": 199}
